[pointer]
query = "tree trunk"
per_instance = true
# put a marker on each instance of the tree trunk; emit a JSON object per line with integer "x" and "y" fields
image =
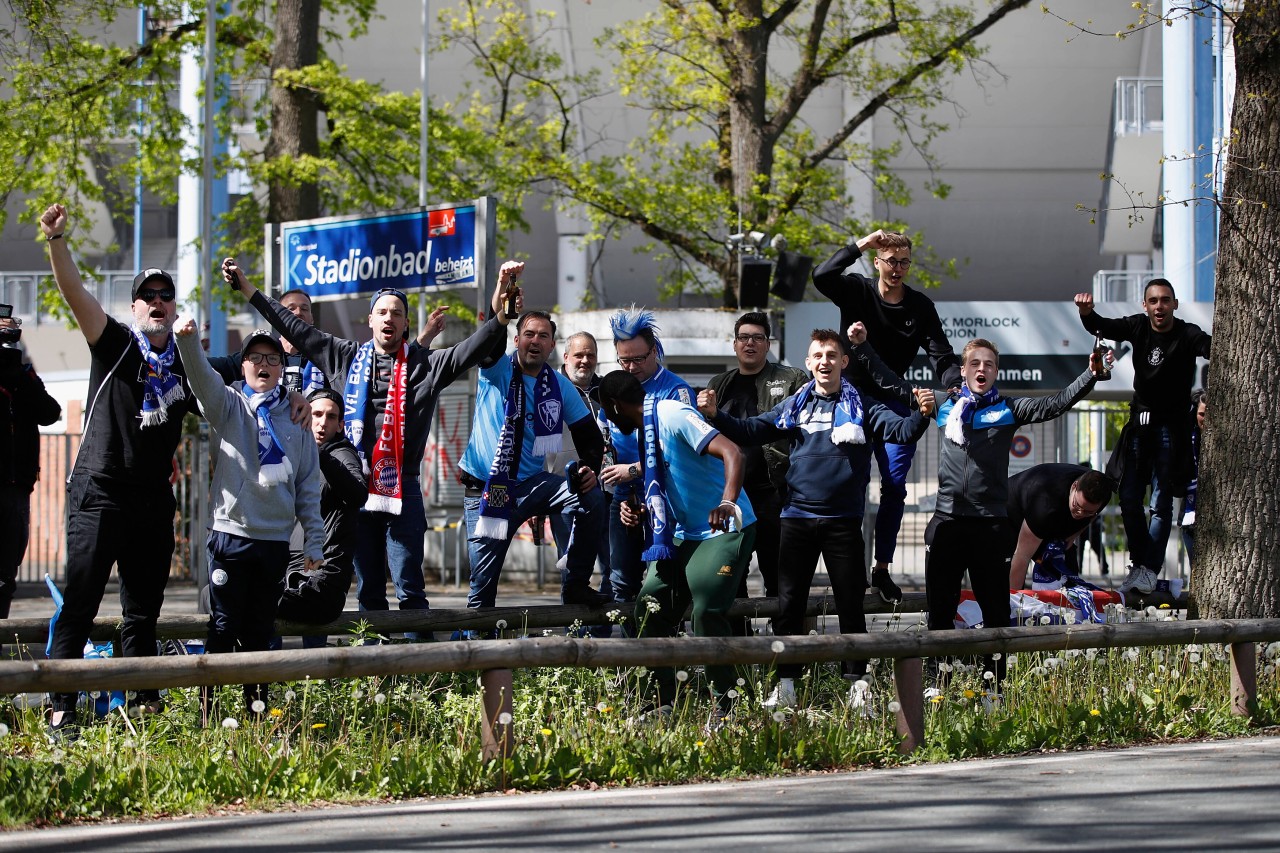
{"x": 294, "y": 131}
{"x": 749, "y": 133}
{"x": 1237, "y": 560}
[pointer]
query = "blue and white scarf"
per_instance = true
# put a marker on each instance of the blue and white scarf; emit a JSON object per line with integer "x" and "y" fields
{"x": 163, "y": 388}
{"x": 954, "y": 429}
{"x": 496, "y": 503}
{"x": 312, "y": 379}
{"x": 660, "y": 532}
{"x": 846, "y": 425}
{"x": 274, "y": 466}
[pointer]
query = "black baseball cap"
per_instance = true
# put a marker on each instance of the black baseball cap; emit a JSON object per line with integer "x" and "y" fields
{"x": 261, "y": 336}
{"x": 149, "y": 274}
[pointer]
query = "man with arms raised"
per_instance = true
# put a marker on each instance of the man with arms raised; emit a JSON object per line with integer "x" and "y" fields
{"x": 1155, "y": 445}
{"x": 390, "y": 392}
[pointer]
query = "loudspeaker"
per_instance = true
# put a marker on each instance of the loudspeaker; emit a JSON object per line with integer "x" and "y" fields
{"x": 753, "y": 281}
{"x": 791, "y": 275}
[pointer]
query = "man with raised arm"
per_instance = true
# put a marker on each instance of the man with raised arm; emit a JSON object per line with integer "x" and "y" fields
{"x": 900, "y": 321}
{"x": 1155, "y": 445}
{"x": 120, "y": 505}
{"x": 390, "y": 392}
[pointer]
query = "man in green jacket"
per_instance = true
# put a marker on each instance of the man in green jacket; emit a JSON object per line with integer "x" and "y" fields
{"x": 758, "y": 385}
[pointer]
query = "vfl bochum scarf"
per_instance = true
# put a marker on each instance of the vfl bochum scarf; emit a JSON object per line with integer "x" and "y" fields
{"x": 312, "y": 379}
{"x": 273, "y": 465}
{"x": 846, "y": 426}
{"x": 548, "y": 429}
{"x": 385, "y": 483}
{"x": 954, "y": 429}
{"x": 660, "y": 537}
{"x": 163, "y": 388}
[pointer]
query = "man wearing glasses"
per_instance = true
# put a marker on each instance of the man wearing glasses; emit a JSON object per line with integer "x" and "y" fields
{"x": 1049, "y": 506}
{"x": 757, "y": 385}
{"x": 390, "y": 391}
{"x": 119, "y": 501}
{"x": 639, "y": 352}
{"x": 900, "y": 321}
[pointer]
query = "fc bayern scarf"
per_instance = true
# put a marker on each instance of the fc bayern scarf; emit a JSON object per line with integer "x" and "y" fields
{"x": 660, "y": 535}
{"x": 846, "y": 426}
{"x": 274, "y": 466}
{"x": 496, "y": 503}
{"x": 163, "y": 388}
{"x": 383, "y": 465}
{"x": 954, "y": 429}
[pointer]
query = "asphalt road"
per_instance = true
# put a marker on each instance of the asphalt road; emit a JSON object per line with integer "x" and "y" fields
{"x": 1199, "y": 796}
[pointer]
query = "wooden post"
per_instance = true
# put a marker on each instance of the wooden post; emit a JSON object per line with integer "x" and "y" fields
{"x": 908, "y": 685}
{"x": 1244, "y": 679}
{"x": 496, "y": 735}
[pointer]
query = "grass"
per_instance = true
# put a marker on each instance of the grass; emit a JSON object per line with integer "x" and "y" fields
{"x": 388, "y": 738}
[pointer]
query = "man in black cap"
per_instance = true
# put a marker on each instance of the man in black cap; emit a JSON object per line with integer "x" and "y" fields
{"x": 24, "y": 407}
{"x": 389, "y": 393}
{"x": 119, "y": 501}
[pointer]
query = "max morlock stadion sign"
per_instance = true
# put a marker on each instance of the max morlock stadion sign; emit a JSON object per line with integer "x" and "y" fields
{"x": 440, "y": 247}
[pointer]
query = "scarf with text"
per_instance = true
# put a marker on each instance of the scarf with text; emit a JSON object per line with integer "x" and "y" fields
{"x": 846, "y": 421}
{"x": 954, "y": 429}
{"x": 163, "y": 388}
{"x": 274, "y": 466}
{"x": 660, "y": 532}
{"x": 496, "y": 503}
{"x": 383, "y": 465}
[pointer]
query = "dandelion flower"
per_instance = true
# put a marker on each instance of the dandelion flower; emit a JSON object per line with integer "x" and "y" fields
{"x": 937, "y": 699}
{"x": 778, "y": 716}
{"x": 969, "y": 694}
{"x": 547, "y": 733}
{"x": 316, "y": 726}
{"x": 504, "y": 719}
{"x": 1155, "y": 690}
{"x": 276, "y": 712}
{"x": 1094, "y": 712}
{"x": 700, "y": 744}
{"x": 894, "y": 707}
{"x": 682, "y": 675}
{"x": 231, "y": 723}
{"x": 379, "y": 698}
{"x": 258, "y": 706}
{"x": 601, "y": 707}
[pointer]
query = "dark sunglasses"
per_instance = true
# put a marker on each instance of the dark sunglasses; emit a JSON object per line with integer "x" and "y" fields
{"x": 272, "y": 358}
{"x": 165, "y": 295}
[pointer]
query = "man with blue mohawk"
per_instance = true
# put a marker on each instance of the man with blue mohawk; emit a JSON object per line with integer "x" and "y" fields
{"x": 639, "y": 352}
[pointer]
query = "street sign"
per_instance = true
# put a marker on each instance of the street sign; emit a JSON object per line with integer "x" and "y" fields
{"x": 353, "y": 255}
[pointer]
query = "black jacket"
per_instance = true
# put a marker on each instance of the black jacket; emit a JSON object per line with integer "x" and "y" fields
{"x": 774, "y": 383}
{"x": 24, "y": 407}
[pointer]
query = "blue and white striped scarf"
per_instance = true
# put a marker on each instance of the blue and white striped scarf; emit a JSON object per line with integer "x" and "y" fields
{"x": 846, "y": 423}
{"x": 163, "y": 388}
{"x": 274, "y": 466}
{"x": 660, "y": 532}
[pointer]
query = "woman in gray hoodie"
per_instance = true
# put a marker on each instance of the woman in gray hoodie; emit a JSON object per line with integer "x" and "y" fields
{"x": 267, "y": 474}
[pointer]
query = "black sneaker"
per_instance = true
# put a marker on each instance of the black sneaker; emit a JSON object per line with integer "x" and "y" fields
{"x": 64, "y": 731}
{"x": 883, "y": 584}
{"x": 584, "y": 595}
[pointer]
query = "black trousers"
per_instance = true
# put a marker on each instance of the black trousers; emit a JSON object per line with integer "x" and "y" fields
{"x": 246, "y": 579}
{"x": 128, "y": 526}
{"x": 839, "y": 541}
{"x": 15, "y": 529}
{"x": 984, "y": 548}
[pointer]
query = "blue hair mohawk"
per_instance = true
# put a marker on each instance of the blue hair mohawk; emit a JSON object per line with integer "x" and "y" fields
{"x": 628, "y": 323}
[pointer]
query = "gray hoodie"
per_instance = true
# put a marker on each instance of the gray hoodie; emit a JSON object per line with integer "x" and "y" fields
{"x": 241, "y": 506}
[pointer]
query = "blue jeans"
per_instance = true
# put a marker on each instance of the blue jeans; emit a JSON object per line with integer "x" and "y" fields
{"x": 626, "y": 544}
{"x": 1147, "y": 462}
{"x": 395, "y": 542}
{"x": 894, "y": 462}
{"x": 579, "y": 524}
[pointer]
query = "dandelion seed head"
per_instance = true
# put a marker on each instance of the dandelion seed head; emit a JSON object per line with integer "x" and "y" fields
{"x": 742, "y": 682}
{"x": 988, "y": 676}
{"x": 861, "y": 686}
{"x": 732, "y": 694}
{"x": 1069, "y": 616}
{"x": 504, "y": 719}
{"x": 996, "y": 656}
{"x": 501, "y": 624}
{"x": 602, "y": 706}
{"x": 1045, "y": 619}
{"x": 357, "y": 693}
{"x": 289, "y": 696}
{"x": 777, "y": 647}
{"x": 379, "y": 698}
{"x": 1194, "y": 657}
{"x": 682, "y": 675}
{"x": 945, "y": 667}
{"x": 778, "y": 716}
{"x": 4, "y": 730}
{"x": 894, "y": 707}
{"x": 258, "y": 706}
{"x": 231, "y": 723}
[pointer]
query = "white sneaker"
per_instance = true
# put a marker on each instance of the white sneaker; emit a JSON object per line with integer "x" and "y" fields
{"x": 783, "y": 695}
{"x": 1141, "y": 579}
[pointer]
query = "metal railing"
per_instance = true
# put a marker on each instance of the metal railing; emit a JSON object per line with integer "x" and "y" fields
{"x": 1122, "y": 285}
{"x": 1139, "y": 106}
{"x": 112, "y": 288}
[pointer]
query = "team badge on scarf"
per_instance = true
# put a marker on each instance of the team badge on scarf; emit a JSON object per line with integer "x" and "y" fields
{"x": 384, "y": 464}
{"x": 163, "y": 387}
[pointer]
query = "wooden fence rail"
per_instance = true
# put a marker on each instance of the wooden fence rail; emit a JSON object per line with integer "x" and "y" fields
{"x": 496, "y": 658}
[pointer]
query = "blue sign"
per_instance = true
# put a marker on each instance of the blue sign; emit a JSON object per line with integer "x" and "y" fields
{"x": 337, "y": 258}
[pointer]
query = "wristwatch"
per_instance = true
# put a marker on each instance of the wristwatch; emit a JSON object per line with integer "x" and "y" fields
{"x": 633, "y": 471}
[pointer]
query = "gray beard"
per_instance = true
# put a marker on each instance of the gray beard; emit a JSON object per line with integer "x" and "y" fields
{"x": 149, "y": 328}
